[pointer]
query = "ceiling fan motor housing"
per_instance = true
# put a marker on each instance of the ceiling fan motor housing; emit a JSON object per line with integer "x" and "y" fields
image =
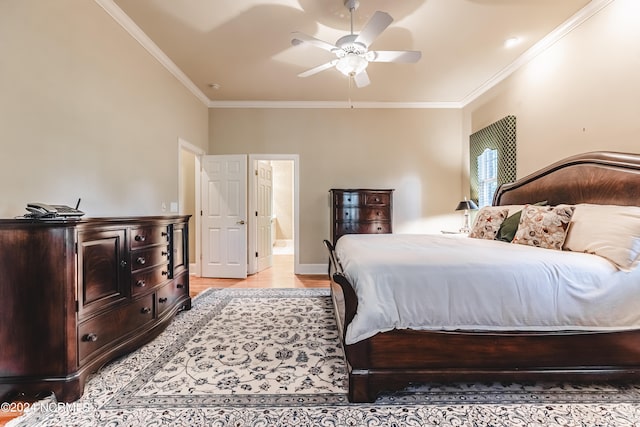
{"x": 347, "y": 44}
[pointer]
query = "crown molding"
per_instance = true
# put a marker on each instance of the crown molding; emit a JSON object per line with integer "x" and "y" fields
{"x": 330, "y": 104}
{"x": 136, "y": 32}
{"x": 591, "y": 9}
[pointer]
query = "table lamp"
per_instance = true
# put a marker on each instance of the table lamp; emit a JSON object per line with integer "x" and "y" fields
{"x": 466, "y": 206}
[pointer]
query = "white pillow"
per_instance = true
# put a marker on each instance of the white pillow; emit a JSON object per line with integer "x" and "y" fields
{"x": 612, "y": 232}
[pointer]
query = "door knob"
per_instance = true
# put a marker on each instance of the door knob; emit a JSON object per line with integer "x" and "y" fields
{"x": 241, "y": 222}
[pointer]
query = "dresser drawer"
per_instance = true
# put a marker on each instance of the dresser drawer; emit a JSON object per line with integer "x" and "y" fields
{"x": 362, "y": 214}
{"x": 143, "y": 280}
{"x": 374, "y": 227}
{"x": 346, "y": 199}
{"x": 171, "y": 292}
{"x": 377, "y": 199}
{"x": 146, "y": 258}
{"x": 148, "y": 236}
{"x": 107, "y": 327}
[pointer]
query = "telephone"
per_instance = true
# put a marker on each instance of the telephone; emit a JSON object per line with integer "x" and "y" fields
{"x": 43, "y": 210}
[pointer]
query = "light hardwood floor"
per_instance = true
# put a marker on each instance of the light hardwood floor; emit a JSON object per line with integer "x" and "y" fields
{"x": 280, "y": 275}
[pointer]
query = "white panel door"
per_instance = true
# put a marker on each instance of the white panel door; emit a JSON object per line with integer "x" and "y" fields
{"x": 265, "y": 215}
{"x": 224, "y": 216}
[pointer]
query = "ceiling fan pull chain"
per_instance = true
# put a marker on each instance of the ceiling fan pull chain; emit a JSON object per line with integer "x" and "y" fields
{"x": 349, "y": 92}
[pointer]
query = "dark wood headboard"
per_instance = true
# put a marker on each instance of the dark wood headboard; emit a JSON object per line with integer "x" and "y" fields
{"x": 597, "y": 177}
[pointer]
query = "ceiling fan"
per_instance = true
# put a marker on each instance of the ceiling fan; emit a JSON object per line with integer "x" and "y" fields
{"x": 352, "y": 51}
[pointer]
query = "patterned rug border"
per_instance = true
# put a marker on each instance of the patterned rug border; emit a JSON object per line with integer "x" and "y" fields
{"x": 220, "y": 297}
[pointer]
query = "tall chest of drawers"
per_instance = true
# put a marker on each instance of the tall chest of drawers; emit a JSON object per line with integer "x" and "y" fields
{"x": 360, "y": 211}
{"x": 79, "y": 293}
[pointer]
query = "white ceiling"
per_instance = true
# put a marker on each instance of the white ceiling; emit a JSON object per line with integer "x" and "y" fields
{"x": 244, "y": 46}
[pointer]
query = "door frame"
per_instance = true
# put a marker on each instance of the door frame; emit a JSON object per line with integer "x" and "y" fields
{"x": 251, "y": 206}
{"x": 195, "y": 234}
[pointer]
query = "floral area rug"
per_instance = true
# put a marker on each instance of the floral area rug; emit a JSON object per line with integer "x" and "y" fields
{"x": 263, "y": 357}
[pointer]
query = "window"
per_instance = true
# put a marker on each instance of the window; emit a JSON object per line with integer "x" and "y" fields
{"x": 492, "y": 156}
{"x": 487, "y": 176}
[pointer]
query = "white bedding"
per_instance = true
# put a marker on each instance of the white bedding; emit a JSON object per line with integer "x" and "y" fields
{"x": 445, "y": 282}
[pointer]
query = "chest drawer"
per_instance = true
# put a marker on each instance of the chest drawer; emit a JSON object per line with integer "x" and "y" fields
{"x": 107, "y": 327}
{"x": 362, "y": 214}
{"x": 374, "y": 227}
{"x": 171, "y": 292}
{"x": 341, "y": 198}
{"x": 143, "y": 280}
{"x": 148, "y": 236}
{"x": 146, "y": 258}
{"x": 376, "y": 199}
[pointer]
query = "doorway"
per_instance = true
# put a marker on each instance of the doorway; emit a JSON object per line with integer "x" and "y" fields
{"x": 189, "y": 197}
{"x": 283, "y": 237}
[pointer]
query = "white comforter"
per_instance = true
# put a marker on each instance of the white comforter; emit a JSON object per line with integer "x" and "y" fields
{"x": 444, "y": 282}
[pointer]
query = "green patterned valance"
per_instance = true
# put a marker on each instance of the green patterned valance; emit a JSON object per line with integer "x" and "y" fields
{"x": 500, "y": 136}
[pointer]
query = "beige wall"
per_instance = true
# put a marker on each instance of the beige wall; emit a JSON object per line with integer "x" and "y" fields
{"x": 416, "y": 152}
{"x": 582, "y": 94}
{"x": 86, "y": 112}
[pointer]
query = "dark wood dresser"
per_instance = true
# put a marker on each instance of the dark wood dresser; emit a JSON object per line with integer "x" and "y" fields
{"x": 360, "y": 211}
{"x": 78, "y": 293}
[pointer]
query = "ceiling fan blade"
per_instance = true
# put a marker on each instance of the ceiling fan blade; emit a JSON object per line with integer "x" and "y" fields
{"x": 315, "y": 70}
{"x": 376, "y": 25}
{"x": 394, "y": 56}
{"x": 362, "y": 79}
{"x": 299, "y": 38}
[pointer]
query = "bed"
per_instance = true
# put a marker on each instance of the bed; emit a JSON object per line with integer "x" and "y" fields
{"x": 600, "y": 340}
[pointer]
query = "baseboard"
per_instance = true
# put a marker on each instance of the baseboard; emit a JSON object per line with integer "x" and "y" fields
{"x": 312, "y": 269}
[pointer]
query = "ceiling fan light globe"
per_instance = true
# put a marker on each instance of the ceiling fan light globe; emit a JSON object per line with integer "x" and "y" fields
{"x": 351, "y": 64}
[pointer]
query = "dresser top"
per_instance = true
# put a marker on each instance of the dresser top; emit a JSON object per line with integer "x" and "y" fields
{"x": 353, "y": 190}
{"x": 72, "y": 222}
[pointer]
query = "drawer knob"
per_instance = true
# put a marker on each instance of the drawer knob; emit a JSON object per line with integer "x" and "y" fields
{"x": 141, "y": 260}
{"x": 164, "y": 273}
{"x": 165, "y": 253}
{"x": 163, "y": 300}
{"x": 123, "y": 263}
{"x": 379, "y": 228}
{"x": 164, "y": 234}
{"x": 145, "y": 310}
{"x": 140, "y": 238}
{"x": 379, "y": 213}
{"x": 90, "y": 337}
{"x": 179, "y": 286}
{"x": 140, "y": 283}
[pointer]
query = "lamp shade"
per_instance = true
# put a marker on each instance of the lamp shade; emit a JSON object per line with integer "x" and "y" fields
{"x": 466, "y": 205}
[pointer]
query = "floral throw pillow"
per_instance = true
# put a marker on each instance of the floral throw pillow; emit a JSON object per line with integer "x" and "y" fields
{"x": 488, "y": 222}
{"x": 544, "y": 226}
